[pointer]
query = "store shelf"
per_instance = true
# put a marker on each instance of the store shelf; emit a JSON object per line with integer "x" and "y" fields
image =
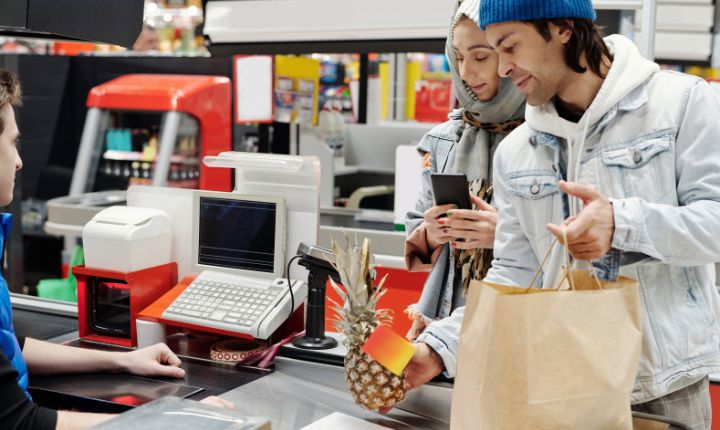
{"x": 690, "y": 18}
{"x": 685, "y": 2}
{"x": 255, "y": 21}
{"x": 351, "y": 170}
{"x": 683, "y": 46}
{"x": 138, "y": 156}
{"x": 152, "y": 11}
{"x": 618, "y": 4}
{"x": 296, "y": 26}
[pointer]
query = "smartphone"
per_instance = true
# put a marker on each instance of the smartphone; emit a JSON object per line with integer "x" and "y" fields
{"x": 449, "y": 188}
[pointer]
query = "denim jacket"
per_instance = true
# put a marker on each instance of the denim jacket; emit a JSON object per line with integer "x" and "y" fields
{"x": 439, "y": 292}
{"x": 652, "y": 150}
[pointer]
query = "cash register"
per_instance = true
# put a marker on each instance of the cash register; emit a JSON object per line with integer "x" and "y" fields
{"x": 238, "y": 251}
{"x": 128, "y": 265}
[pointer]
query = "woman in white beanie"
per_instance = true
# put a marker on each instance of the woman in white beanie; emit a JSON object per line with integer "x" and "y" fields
{"x": 491, "y": 107}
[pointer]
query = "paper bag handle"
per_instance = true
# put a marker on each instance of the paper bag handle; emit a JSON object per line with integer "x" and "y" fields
{"x": 568, "y": 265}
{"x": 542, "y": 264}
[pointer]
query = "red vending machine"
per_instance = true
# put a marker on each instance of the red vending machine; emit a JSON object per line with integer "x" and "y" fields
{"x": 144, "y": 129}
{"x": 154, "y": 130}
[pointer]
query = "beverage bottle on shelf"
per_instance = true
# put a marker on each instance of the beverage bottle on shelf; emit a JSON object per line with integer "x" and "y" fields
{"x": 126, "y": 169}
{"x": 193, "y": 148}
{"x": 194, "y": 182}
{"x": 150, "y": 150}
{"x": 135, "y": 178}
{"x": 136, "y": 137}
{"x": 110, "y": 139}
{"x": 184, "y": 146}
{"x": 142, "y": 139}
{"x": 145, "y": 173}
{"x": 125, "y": 140}
{"x": 117, "y": 169}
{"x": 174, "y": 179}
{"x": 182, "y": 176}
{"x": 135, "y": 169}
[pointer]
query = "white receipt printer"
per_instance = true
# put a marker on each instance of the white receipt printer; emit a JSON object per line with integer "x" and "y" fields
{"x": 127, "y": 239}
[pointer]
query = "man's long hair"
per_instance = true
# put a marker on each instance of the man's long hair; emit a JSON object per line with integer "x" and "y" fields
{"x": 10, "y": 92}
{"x": 586, "y": 39}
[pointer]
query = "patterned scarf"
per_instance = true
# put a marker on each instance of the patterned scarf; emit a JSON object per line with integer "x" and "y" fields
{"x": 475, "y": 263}
{"x": 497, "y": 128}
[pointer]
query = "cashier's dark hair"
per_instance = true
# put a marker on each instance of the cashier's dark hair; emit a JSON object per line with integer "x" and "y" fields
{"x": 586, "y": 38}
{"x": 10, "y": 92}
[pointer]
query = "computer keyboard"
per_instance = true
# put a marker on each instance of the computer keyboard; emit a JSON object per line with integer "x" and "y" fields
{"x": 234, "y": 306}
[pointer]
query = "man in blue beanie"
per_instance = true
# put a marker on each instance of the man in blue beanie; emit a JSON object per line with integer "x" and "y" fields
{"x": 624, "y": 156}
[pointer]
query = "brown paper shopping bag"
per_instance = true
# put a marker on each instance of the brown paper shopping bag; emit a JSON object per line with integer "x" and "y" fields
{"x": 548, "y": 358}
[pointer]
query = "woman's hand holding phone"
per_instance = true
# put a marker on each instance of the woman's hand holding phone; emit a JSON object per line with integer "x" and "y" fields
{"x": 476, "y": 228}
{"x": 436, "y": 232}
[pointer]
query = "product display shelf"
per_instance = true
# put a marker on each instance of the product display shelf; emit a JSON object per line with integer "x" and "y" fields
{"x": 292, "y": 26}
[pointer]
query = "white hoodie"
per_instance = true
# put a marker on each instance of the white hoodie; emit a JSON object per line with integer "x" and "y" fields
{"x": 629, "y": 69}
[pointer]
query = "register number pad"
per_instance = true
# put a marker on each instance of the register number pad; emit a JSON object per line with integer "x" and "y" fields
{"x": 238, "y": 249}
{"x": 246, "y": 306}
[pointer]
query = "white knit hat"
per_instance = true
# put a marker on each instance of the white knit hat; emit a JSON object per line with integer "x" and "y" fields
{"x": 468, "y": 8}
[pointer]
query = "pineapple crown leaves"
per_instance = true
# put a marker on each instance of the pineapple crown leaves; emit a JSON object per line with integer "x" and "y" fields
{"x": 353, "y": 265}
{"x": 357, "y": 317}
{"x": 352, "y": 262}
{"x": 358, "y": 322}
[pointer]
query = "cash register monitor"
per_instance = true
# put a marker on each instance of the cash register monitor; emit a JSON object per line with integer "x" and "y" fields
{"x": 238, "y": 253}
{"x": 239, "y": 234}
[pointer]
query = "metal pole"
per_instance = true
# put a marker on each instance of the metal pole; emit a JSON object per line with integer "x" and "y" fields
{"x": 646, "y": 41}
{"x": 363, "y": 89}
{"x": 84, "y": 158}
{"x": 168, "y": 137}
{"x": 399, "y": 87}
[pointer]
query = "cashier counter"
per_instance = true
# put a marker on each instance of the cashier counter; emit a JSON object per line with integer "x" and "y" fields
{"x": 303, "y": 387}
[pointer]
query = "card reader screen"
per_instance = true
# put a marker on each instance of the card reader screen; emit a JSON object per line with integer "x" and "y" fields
{"x": 237, "y": 234}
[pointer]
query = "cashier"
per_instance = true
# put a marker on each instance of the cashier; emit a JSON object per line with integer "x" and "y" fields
{"x": 21, "y": 356}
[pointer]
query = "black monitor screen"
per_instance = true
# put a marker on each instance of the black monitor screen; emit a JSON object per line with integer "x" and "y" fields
{"x": 237, "y": 234}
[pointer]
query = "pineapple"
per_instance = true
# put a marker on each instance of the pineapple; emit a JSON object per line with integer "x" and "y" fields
{"x": 371, "y": 384}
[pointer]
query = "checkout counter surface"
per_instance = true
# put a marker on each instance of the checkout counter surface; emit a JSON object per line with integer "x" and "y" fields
{"x": 293, "y": 403}
{"x": 284, "y": 397}
{"x": 42, "y": 326}
{"x": 297, "y": 394}
{"x": 214, "y": 378}
{"x": 293, "y": 396}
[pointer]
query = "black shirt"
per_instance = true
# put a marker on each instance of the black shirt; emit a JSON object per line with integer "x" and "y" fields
{"x": 16, "y": 410}
{"x": 566, "y": 113}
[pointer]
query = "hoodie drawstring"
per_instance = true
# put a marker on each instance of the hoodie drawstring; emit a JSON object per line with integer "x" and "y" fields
{"x": 583, "y": 136}
{"x": 574, "y": 159}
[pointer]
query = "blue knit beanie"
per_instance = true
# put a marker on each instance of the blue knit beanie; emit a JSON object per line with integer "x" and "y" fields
{"x": 497, "y": 11}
